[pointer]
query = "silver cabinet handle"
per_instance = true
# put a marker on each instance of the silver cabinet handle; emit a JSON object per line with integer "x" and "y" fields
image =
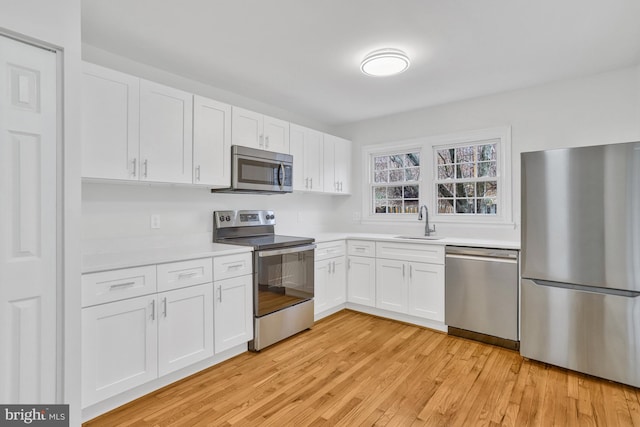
{"x": 134, "y": 163}
{"x": 340, "y": 185}
{"x": 337, "y": 186}
{"x": 329, "y": 267}
{"x": 261, "y": 141}
{"x": 311, "y": 183}
{"x": 146, "y": 167}
{"x": 266, "y": 141}
{"x": 198, "y": 173}
{"x": 153, "y": 309}
{"x": 186, "y": 275}
{"x": 410, "y": 271}
{"x": 349, "y": 264}
{"x": 164, "y": 310}
{"x": 122, "y": 285}
{"x": 220, "y": 293}
{"x": 403, "y": 270}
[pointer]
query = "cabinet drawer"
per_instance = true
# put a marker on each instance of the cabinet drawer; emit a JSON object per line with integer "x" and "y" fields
{"x": 328, "y": 250}
{"x": 418, "y": 252}
{"x": 228, "y": 266}
{"x": 174, "y": 275}
{"x": 361, "y": 248}
{"x": 114, "y": 285}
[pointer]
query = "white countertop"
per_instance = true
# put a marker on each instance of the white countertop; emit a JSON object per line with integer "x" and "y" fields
{"x": 451, "y": 241}
{"x": 100, "y": 261}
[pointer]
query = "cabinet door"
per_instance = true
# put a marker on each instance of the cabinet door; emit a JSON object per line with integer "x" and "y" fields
{"x": 233, "y": 312}
{"x": 166, "y": 133}
{"x": 342, "y": 156}
{"x": 391, "y": 285}
{"x": 296, "y": 149}
{"x": 119, "y": 347}
{"x": 321, "y": 277}
{"x": 247, "y": 128}
{"x": 426, "y": 291}
{"x": 313, "y": 160}
{"x": 110, "y": 123}
{"x": 185, "y": 327}
{"x": 337, "y": 283}
{"x": 329, "y": 165}
{"x": 211, "y": 142}
{"x": 276, "y": 135}
{"x": 361, "y": 280}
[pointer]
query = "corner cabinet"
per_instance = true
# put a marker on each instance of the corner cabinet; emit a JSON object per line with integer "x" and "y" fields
{"x": 330, "y": 278}
{"x": 307, "y": 151}
{"x": 337, "y": 165}
{"x": 256, "y": 130}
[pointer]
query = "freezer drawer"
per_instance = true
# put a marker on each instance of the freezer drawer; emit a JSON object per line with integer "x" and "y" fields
{"x": 481, "y": 292}
{"x": 589, "y": 332}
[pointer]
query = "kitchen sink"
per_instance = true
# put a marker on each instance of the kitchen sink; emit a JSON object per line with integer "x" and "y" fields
{"x": 420, "y": 237}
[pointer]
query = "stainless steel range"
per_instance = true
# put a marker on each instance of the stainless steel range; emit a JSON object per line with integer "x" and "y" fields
{"x": 283, "y": 268}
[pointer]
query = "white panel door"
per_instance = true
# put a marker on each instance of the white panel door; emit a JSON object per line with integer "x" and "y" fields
{"x": 185, "y": 328}
{"x": 361, "y": 280}
{"x": 337, "y": 283}
{"x": 28, "y": 223}
{"x": 296, "y": 149}
{"x": 166, "y": 134}
{"x": 329, "y": 164}
{"x": 211, "y": 142}
{"x": 342, "y": 156}
{"x": 320, "y": 280}
{"x": 119, "y": 347}
{"x": 391, "y": 285}
{"x": 247, "y": 128}
{"x": 233, "y": 312}
{"x": 110, "y": 123}
{"x": 313, "y": 160}
{"x": 426, "y": 290}
{"x": 276, "y": 135}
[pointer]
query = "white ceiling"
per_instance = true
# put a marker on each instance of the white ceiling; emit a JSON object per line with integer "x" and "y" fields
{"x": 304, "y": 55}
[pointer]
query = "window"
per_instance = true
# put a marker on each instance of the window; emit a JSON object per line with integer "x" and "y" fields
{"x": 466, "y": 180}
{"x": 395, "y": 185}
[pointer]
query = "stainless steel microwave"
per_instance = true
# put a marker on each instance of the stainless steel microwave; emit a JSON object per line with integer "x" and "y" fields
{"x": 259, "y": 171}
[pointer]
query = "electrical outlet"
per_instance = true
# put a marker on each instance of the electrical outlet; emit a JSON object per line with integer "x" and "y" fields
{"x": 155, "y": 221}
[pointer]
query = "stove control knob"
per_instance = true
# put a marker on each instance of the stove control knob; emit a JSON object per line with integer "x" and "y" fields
{"x": 221, "y": 218}
{"x": 228, "y": 218}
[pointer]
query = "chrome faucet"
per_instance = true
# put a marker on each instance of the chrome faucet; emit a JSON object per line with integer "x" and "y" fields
{"x": 427, "y": 230}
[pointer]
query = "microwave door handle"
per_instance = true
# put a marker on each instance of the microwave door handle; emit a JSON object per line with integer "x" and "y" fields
{"x": 281, "y": 175}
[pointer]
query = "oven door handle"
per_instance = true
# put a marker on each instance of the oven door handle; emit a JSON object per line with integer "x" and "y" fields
{"x": 267, "y": 253}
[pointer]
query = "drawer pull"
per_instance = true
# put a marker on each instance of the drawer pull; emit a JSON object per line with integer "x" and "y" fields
{"x": 187, "y": 275}
{"x": 122, "y": 285}
{"x": 360, "y": 248}
{"x": 234, "y": 267}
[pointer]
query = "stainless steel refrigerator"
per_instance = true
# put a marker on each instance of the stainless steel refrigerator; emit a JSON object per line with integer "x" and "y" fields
{"x": 581, "y": 260}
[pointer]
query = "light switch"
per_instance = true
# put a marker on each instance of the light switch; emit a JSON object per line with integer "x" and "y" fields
{"x": 155, "y": 221}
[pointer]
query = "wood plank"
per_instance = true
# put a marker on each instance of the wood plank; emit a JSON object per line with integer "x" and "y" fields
{"x": 357, "y": 369}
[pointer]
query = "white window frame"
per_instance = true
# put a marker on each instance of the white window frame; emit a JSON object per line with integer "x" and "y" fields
{"x": 427, "y": 147}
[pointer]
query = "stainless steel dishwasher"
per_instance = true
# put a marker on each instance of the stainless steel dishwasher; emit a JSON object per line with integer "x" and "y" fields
{"x": 481, "y": 294}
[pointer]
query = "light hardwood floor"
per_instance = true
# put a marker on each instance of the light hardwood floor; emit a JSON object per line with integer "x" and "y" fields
{"x": 355, "y": 369}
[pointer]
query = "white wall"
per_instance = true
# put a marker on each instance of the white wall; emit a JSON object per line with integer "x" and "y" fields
{"x": 57, "y": 24}
{"x": 593, "y": 110}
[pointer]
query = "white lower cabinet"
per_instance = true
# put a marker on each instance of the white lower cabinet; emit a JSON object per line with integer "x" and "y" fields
{"x": 119, "y": 347}
{"x": 233, "y": 310}
{"x": 330, "y": 284}
{"x": 392, "y": 287}
{"x": 185, "y": 327}
{"x": 361, "y": 280}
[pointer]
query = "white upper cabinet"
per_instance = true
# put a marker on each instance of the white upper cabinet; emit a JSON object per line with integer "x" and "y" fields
{"x": 307, "y": 151}
{"x": 110, "y": 123}
{"x": 256, "y": 130}
{"x": 211, "y": 142}
{"x": 337, "y": 165}
{"x": 166, "y": 133}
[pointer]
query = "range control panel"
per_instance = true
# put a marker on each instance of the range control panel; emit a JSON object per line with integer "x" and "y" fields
{"x": 245, "y": 218}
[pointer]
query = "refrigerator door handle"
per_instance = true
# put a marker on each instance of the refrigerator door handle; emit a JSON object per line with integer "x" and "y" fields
{"x": 592, "y": 289}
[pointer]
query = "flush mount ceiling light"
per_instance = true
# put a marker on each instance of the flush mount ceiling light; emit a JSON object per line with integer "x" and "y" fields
{"x": 385, "y": 62}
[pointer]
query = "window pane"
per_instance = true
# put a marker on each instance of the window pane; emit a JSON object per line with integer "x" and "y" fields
{"x": 445, "y": 190}
{"x": 396, "y": 162}
{"x": 487, "y": 206}
{"x": 465, "y": 206}
{"x": 381, "y": 206}
{"x": 412, "y": 174}
{"x": 381, "y": 163}
{"x": 411, "y": 192}
{"x": 445, "y": 206}
{"x": 465, "y": 189}
{"x": 487, "y": 152}
{"x": 445, "y": 172}
{"x": 487, "y": 189}
{"x": 411, "y": 206}
{"x": 465, "y": 170}
{"x": 379, "y": 193}
{"x": 396, "y": 175}
{"x": 412, "y": 159}
{"x": 394, "y": 192}
{"x": 465, "y": 154}
{"x": 487, "y": 169}
{"x": 445, "y": 157}
{"x": 395, "y": 206}
{"x": 381, "y": 176}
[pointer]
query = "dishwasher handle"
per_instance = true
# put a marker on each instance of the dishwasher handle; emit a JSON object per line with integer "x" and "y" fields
{"x": 482, "y": 252}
